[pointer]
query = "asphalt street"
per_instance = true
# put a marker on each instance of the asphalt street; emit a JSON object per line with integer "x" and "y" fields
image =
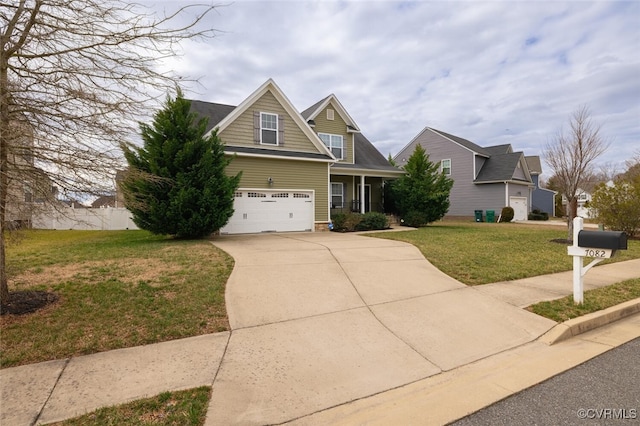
{"x": 603, "y": 391}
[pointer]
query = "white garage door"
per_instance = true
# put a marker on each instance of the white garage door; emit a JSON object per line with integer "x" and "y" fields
{"x": 520, "y": 209}
{"x": 270, "y": 211}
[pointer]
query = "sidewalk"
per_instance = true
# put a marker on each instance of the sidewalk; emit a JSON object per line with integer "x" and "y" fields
{"x": 330, "y": 326}
{"x": 451, "y": 395}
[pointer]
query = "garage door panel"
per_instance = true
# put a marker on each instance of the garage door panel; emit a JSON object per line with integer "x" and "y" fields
{"x": 271, "y": 211}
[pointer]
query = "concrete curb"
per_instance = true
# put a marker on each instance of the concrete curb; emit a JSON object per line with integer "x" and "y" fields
{"x": 576, "y": 326}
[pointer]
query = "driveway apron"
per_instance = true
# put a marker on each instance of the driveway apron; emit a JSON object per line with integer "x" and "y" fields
{"x": 321, "y": 319}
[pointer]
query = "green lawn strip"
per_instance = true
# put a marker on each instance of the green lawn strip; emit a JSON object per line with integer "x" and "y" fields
{"x": 116, "y": 289}
{"x": 188, "y": 408}
{"x": 481, "y": 253}
{"x": 564, "y": 309}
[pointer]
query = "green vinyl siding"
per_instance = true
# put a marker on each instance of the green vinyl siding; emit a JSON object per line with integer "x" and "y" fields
{"x": 240, "y": 132}
{"x": 337, "y": 126}
{"x": 286, "y": 174}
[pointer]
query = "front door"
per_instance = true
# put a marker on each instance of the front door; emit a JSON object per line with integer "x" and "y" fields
{"x": 367, "y": 197}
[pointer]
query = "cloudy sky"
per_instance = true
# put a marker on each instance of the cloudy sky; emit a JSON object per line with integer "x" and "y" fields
{"x": 492, "y": 72}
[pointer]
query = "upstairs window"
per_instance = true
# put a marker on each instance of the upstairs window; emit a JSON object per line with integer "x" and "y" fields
{"x": 268, "y": 128}
{"x": 445, "y": 167}
{"x": 335, "y": 143}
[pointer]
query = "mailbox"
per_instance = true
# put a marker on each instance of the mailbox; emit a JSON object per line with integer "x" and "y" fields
{"x": 613, "y": 240}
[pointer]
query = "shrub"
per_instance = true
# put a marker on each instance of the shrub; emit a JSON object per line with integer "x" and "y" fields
{"x": 507, "y": 214}
{"x": 346, "y": 222}
{"x": 349, "y": 222}
{"x": 415, "y": 219}
{"x": 424, "y": 189}
{"x": 538, "y": 215}
{"x": 176, "y": 183}
{"x": 371, "y": 221}
{"x": 618, "y": 206}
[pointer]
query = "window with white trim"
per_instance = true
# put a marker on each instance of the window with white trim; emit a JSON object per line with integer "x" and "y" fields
{"x": 335, "y": 143}
{"x": 445, "y": 167}
{"x": 337, "y": 195}
{"x": 268, "y": 128}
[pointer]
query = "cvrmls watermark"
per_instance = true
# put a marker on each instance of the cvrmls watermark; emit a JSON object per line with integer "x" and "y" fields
{"x": 608, "y": 413}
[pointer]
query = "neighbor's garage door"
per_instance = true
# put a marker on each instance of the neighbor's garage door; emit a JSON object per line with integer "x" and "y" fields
{"x": 520, "y": 207}
{"x": 270, "y": 211}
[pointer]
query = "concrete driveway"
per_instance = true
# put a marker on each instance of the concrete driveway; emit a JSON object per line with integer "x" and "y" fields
{"x": 321, "y": 319}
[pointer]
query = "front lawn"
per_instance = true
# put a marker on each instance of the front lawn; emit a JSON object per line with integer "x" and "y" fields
{"x": 184, "y": 408}
{"x": 481, "y": 253}
{"x": 116, "y": 289}
{"x": 564, "y": 309}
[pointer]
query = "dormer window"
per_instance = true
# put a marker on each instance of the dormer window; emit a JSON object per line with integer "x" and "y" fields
{"x": 335, "y": 143}
{"x": 268, "y": 128}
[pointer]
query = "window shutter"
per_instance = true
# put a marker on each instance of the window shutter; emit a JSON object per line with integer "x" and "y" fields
{"x": 280, "y": 130}
{"x": 256, "y": 127}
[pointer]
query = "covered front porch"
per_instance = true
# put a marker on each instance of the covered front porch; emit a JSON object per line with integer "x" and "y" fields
{"x": 358, "y": 191}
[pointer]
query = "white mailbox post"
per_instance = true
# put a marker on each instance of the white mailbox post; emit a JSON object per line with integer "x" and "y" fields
{"x": 599, "y": 245}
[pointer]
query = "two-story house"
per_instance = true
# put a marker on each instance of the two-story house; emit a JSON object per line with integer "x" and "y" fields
{"x": 485, "y": 178}
{"x": 296, "y": 168}
{"x": 28, "y": 187}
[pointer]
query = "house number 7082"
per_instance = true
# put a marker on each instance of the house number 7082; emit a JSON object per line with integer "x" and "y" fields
{"x": 595, "y": 253}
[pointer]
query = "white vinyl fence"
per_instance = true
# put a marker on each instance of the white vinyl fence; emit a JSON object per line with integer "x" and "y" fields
{"x": 105, "y": 219}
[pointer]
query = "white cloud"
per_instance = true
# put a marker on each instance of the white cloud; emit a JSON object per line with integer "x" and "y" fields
{"x": 492, "y": 72}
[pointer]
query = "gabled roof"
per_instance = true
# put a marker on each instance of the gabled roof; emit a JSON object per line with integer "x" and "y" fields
{"x": 218, "y": 119}
{"x": 366, "y": 155}
{"x": 214, "y": 112}
{"x": 501, "y": 168}
{"x": 104, "y": 201}
{"x": 312, "y": 112}
{"x": 533, "y": 163}
{"x": 499, "y": 149}
{"x": 465, "y": 143}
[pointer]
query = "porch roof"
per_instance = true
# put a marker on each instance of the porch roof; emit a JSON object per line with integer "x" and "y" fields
{"x": 368, "y": 161}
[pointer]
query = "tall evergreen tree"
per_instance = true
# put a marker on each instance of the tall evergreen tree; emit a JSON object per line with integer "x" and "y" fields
{"x": 176, "y": 183}
{"x": 422, "y": 194}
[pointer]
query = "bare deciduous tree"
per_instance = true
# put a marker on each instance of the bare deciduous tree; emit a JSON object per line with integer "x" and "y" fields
{"x": 571, "y": 155}
{"x": 75, "y": 78}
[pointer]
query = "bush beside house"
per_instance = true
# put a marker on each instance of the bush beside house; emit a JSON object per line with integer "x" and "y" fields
{"x": 507, "y": 214}
{"x": 421, "y": 196}
{"x": 538, "y": 215}
{"x": 350, "y": 222}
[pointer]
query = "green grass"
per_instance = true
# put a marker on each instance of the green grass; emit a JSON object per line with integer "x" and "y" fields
{"x": 594, "y": 300}
{"x": 481, "y": 253}
{"x": 116, "y": 289}
{"x": 188, "y": 408}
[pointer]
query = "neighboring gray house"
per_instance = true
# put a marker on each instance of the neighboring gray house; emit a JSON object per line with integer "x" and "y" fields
{"x": 488, "y": 178}
{"x": 541, "y": 198}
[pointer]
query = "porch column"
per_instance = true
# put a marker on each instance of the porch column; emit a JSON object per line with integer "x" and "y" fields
{"x": 362, "y": 194}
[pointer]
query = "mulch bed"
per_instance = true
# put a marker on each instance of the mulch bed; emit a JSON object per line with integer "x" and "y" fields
{"x": 26, "y": 302}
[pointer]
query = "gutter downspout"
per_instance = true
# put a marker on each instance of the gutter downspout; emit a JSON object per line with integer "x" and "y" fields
{"x": 506, "y": 193}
